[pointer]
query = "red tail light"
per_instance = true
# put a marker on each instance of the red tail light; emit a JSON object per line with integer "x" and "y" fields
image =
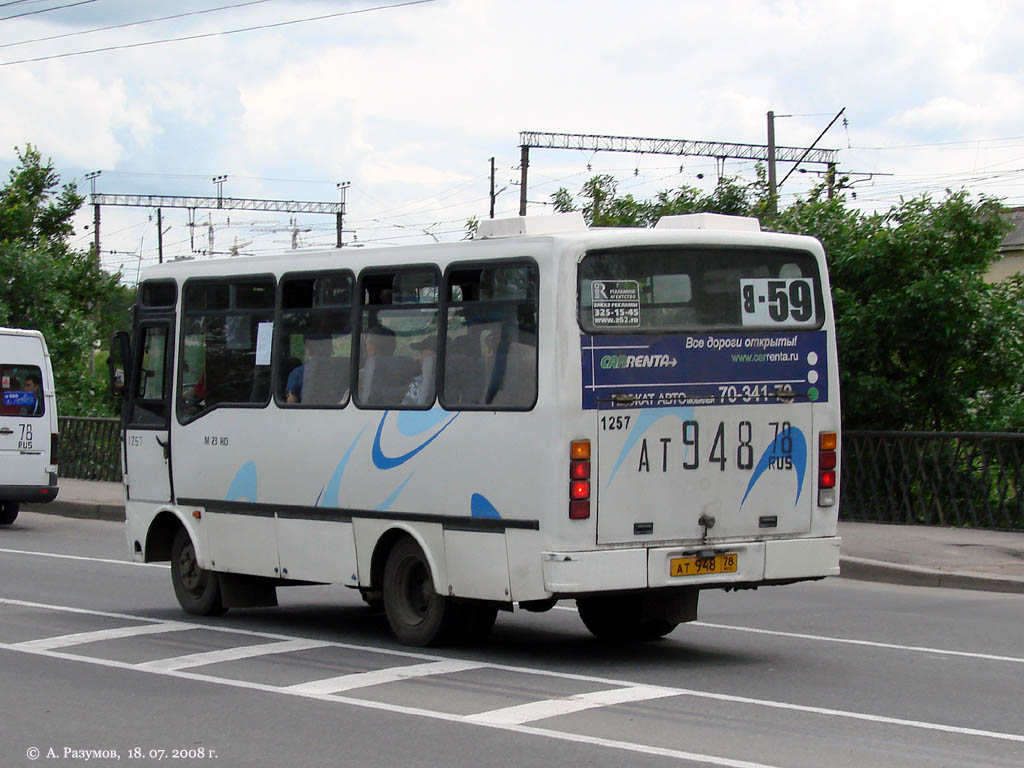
{"x": 579, "y": 480}
{"x": 828, "y": 445}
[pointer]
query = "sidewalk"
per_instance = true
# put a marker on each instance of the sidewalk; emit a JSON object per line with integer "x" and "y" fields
{"x": 914, "y": 555}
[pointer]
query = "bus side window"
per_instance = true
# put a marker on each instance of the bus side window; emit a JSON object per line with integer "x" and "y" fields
{"x": 221, "y": 325}
{"x": 398, "y": 338}
{"x": 314, "y": 343}
{"x": 491, "y": 337}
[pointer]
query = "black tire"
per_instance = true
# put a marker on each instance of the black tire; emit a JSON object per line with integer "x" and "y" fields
{"x": 418, "y": 615}
{"x": 619, "y": 619}
{"x": 197, "y": 589}
{"x": 8, "y": 512}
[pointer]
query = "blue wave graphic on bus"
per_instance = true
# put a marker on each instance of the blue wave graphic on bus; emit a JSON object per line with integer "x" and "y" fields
{"x": 386, "y": 504}
{"x": 774, "y": 453}
{"x": 333, "y": 489}
{"x": 480, "y": 506}
{"x": 641, "y": 424}
{"x": 245, "y": 485}
{"x": 415, "y": 423}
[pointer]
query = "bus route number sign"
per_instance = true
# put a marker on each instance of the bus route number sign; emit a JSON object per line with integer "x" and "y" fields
{"x": 781, "y": 303}
{"x": 616, "y": 302}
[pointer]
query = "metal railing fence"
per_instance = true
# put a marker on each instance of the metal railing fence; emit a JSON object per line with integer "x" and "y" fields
{"x": 971, "y": 479}
{"x": 926, "y": 478}
{"x": 90, "y": 448}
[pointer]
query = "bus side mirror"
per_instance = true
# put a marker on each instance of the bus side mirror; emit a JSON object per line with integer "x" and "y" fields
{"x": 120, "y": 349}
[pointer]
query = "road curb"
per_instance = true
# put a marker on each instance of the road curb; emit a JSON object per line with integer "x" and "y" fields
{"x": 862, "y": 569}
{"x": 83, "y": 510}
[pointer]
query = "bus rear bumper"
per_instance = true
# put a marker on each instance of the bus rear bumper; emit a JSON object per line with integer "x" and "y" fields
{"x": 572, "y": 573}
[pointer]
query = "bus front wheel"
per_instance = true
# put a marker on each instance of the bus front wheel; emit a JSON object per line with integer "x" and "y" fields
{"x": 197, "y": 589}
{"x": 418, "y": 615}
{"x": 8, "y": 512}
{"x": 620, "y": 618}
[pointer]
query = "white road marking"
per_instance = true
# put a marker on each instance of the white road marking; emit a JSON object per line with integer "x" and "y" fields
{"x": 80, "y": 638}
{"x": 539, "y": 710}
{"x": 231, "y": 654}
{"x": 594, "y": 741}
{"x": 80, "y": 557}
{"x": 866, "y": 643}
{"x": 846, "y": 641}
{"x": 708, "y": 625}
{"x": 766, "y": 703}
{"x": 382, "y": 676}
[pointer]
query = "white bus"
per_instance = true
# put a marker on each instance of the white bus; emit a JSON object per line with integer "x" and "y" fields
{"x": 623, "y": 417}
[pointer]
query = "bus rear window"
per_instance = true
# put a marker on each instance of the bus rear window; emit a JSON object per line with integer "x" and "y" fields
{"x": 633, "y": 290}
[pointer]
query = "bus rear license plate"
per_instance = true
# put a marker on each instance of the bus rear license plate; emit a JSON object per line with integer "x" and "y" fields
{"x": 698, "y": 566}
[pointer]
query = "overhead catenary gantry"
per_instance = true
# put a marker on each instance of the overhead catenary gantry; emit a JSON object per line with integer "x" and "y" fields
{"x": 650, "y": 146}
{"x": 216, "y": 203}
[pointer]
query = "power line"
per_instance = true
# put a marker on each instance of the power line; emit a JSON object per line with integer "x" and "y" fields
{"x": 215, "y": 34}
{"x": 46, "y": 10}
{"x": 131, "y": 24}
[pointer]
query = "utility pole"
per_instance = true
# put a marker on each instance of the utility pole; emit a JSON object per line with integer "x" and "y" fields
{"x": 339, "y": 216}
{"x": 91, "y": 177}
{"x": 159, "y": 236}
{"x": 524, "y": 163}
{"x": 773, "y": 206}
{"x": 219, "y": 181}
{"x": 492, "y": 188}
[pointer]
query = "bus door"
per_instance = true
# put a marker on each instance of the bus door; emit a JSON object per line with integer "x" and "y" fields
{"x": 148, "y": 409}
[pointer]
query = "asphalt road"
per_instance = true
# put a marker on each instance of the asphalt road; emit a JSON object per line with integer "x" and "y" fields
{"x": 98, "y": 666}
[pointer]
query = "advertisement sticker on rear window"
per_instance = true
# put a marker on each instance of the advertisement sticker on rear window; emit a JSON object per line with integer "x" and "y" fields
{"x": 615, "y": 302}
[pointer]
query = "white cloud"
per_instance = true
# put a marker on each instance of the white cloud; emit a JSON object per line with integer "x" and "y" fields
{"x": 70, "y": 115}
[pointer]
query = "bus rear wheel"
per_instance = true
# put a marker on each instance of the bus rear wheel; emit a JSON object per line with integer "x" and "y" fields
{"x": 197, "y": 589}
{"x": 417, "y": 614}
{"x": 8, "y": 512}
{"x": 620, "y": 618}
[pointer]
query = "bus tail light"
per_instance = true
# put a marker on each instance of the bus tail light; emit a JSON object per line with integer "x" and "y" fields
{"x": 828, "y": 443}
{"x": 579, "y": 480}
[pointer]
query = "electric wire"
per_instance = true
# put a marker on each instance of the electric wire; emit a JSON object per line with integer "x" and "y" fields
{"x": 132, "y": 23}
{"x": 222, "y": 33}
{"x": 46, "y": 10}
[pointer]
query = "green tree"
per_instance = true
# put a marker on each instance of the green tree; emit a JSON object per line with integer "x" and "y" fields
{"x": 922, "y": 338}
{"x": 47, "y": 285}
{"x": 602, "y": 207}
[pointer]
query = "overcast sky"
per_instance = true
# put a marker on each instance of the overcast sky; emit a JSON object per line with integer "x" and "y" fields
{"x": 408, "y": 101}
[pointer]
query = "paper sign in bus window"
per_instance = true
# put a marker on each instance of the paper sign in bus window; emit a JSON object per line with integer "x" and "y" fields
{"x": 616, "y": 302}
{"x": 777, "y": 302}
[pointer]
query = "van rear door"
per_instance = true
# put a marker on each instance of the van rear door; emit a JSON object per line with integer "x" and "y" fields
{"x": 25, "y": 419}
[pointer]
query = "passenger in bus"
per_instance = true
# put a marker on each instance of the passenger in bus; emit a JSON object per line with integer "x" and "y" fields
{"x": 421, "y": 388}
{"x": 378, "y": 344}
{"x": 34, "y": 386}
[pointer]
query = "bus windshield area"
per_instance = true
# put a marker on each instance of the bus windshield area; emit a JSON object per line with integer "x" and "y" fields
{"x": 679, "y": 288}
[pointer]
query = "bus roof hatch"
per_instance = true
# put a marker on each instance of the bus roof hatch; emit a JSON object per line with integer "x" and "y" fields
{"x": 709, "y": 221}
{"x": 531, "y": 225}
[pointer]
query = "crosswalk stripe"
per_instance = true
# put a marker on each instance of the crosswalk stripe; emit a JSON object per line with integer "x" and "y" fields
{"x": 230, "y": 654}
{"x": 538, "y": 710}
{"x": 79, "y": 638}
{"x": 381, "y": 676}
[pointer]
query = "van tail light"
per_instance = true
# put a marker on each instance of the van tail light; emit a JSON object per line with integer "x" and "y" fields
{"x": 579, "y": 480}
{"x": 54, "y": 448}
{"x": 828, "y": 444}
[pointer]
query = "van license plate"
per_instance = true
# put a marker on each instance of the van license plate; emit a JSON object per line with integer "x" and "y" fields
{"x": 697, "y": 566}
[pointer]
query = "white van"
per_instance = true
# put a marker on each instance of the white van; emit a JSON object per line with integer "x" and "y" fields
{"x": 28, "y": 422}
